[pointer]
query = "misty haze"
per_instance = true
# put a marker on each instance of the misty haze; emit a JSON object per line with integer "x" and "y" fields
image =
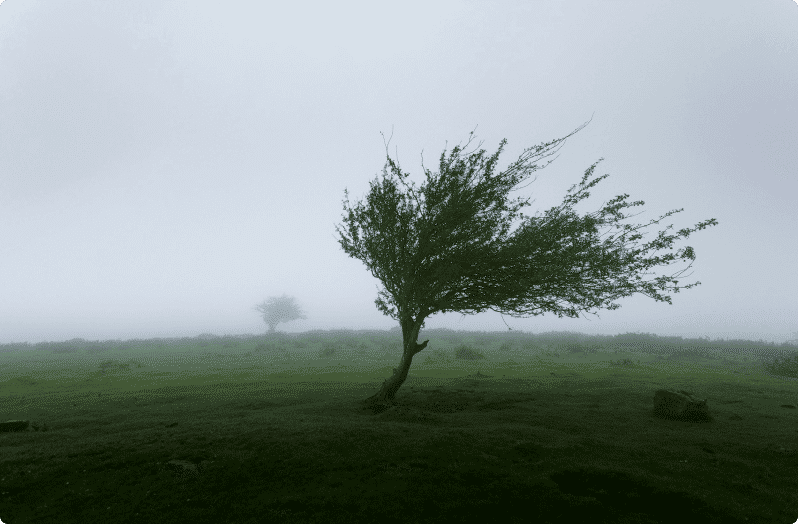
{"x": 354, "y": 262}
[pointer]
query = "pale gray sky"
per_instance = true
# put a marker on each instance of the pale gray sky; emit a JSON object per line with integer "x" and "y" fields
{"x": 165, "y": 166}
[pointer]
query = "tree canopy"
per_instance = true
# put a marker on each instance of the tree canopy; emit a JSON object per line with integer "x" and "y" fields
{"x": 278, "y": 310}
{"x": 449, "y": 245}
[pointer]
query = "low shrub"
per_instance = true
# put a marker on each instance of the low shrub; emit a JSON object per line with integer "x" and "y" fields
{"x": 506, "y": 346}
{"x": 785, "y": 366}
{"x": 327, "y": 351}
{"x": 624, "y": 362}
{"x": 466, "y": 353}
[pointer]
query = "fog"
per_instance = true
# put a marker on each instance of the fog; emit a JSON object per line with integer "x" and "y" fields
{"x": 165, "y": 166}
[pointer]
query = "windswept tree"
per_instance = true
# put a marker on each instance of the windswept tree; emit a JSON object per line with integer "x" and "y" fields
{"x": 278, "y": 310}
{"x": 448, "y": 247}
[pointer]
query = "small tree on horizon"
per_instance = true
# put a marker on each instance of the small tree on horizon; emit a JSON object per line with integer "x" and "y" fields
{"x": 279, "y": 310}
{"x": 452, "y": 251}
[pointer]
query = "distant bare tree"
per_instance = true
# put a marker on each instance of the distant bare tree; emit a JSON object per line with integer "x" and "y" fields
{"x": 278, "y": 310}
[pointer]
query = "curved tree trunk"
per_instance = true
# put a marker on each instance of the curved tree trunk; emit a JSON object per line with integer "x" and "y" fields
{"x": 384, "y": 398}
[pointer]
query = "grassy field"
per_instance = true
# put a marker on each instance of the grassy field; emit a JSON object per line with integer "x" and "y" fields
{"x": 526, "y": 428}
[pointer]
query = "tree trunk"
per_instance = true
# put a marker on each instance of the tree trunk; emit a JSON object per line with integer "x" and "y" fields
{"x": 384, "y": 398}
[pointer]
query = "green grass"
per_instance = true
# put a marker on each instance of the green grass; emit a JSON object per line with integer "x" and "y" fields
{"x": 272, "y": 429}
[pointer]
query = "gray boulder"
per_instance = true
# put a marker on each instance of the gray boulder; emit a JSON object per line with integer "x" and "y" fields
{"x": 671, "y": 404}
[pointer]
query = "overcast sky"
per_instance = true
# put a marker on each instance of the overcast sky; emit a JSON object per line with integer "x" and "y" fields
{"x": 165, "y": 166}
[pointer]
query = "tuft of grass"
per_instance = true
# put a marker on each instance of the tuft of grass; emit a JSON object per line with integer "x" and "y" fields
{"x": 327, "y": 351}
{"x": 506, "y": 346}
{"x": 785, "y": 366}
{"x": 466, "y": 353}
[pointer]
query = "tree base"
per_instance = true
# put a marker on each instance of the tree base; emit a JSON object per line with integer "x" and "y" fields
{"x": 376, "y": 405}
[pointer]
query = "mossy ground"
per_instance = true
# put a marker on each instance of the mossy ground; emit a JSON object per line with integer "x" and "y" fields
{"x": 274, "y": 432}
